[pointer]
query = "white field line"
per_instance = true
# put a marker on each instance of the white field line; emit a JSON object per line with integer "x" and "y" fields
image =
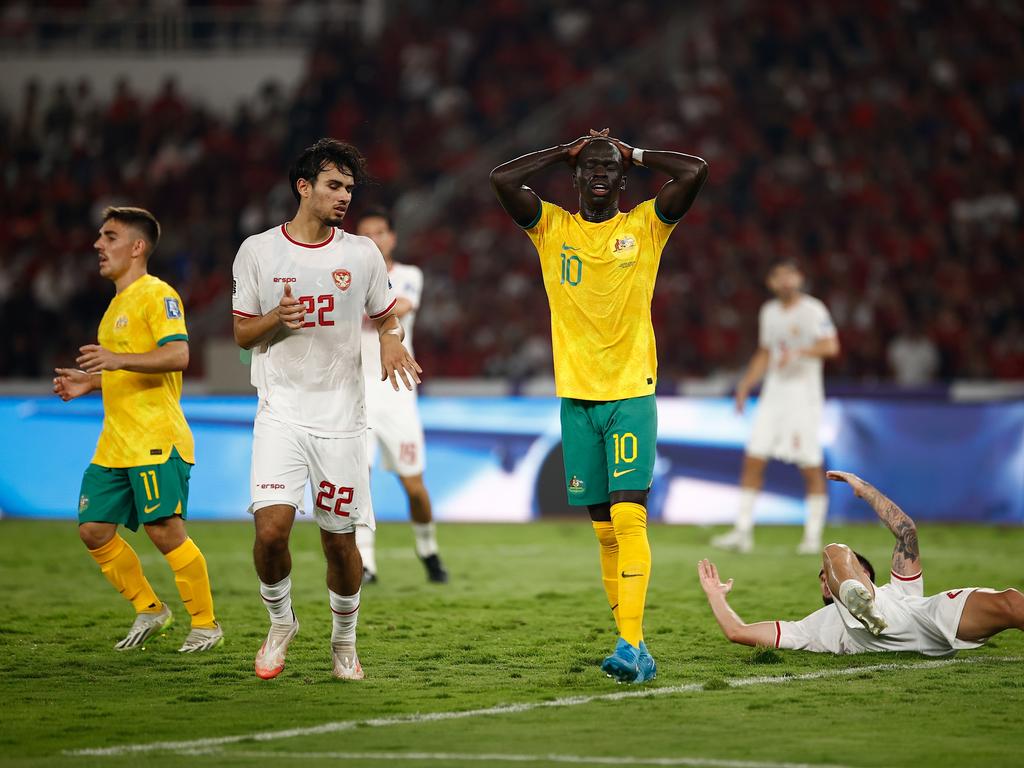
{"x": 454, "y": 757}
{"x": 511, "y": 709}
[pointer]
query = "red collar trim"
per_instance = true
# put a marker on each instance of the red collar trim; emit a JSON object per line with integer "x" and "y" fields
{"x": 293, "y": 241}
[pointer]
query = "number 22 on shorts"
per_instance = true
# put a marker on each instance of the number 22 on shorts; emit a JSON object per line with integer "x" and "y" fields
{"x": 339, "y": 495}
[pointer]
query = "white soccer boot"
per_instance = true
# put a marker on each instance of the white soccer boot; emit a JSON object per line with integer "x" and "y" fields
{"x": 735, "y": 541}
{"x": 202, "y": 639}
{"x": 270, "y": 658}
{"x": 144, "y": 627}
{"x": 346, "y": 662}
{"x": 859, "y": 602}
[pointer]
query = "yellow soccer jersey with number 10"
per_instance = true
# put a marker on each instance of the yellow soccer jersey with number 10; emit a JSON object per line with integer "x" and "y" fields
{"x": 142, "y": 417}
{"x": 599, "y": 278}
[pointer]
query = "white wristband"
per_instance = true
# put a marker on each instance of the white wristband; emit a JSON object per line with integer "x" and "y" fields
{"x": 637, "y": 156}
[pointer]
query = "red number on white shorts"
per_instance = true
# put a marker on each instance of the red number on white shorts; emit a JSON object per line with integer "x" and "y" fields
{"x": 328, "y": 492}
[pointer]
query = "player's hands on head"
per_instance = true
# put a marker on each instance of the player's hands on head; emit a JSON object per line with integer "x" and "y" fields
{"x": 396, "y": 363}
{"x": 290, "y": 311}
{"x": 709, "y": 580}
{"x": 858, "y": 485}
{"x": 95, "y": 358}
{"x": 573, "y": 148}
{"x": 70, "y": 383}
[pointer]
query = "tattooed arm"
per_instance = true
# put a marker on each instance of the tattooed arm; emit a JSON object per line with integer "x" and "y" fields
{"x": 906, "y": 557}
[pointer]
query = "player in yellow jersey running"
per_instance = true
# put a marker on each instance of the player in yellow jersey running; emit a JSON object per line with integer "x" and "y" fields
{"x": 599, "y": 268}
{"x": 144, "y": 456}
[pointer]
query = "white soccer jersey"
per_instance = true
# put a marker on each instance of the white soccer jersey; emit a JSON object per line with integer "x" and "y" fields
{"x": 312, "y": 377}
{"x": 927, "y": 625}
{"x": 794, "y": 328}
{"x": 407, "y": 283}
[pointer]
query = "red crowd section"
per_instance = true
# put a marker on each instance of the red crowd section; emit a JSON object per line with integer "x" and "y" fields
{"x": 876, "y": 143}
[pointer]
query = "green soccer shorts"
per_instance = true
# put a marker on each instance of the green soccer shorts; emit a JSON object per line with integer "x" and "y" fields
{"x": 129, "y": 496}
{"x": 608, "y": 446}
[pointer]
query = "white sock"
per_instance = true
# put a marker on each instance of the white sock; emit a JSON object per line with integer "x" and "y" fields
{"x": 366, "y": 542}
{"x": 817, "y": 509}
{"x": 278, "y": 599}
{"x": 345, "y": 611}
{"x": 426, "y": 539}
{"x": 745, "y": 516}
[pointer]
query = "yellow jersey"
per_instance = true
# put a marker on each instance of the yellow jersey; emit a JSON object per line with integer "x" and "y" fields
{"x": 142, "y": 417}
{"x": 599, "y": 277}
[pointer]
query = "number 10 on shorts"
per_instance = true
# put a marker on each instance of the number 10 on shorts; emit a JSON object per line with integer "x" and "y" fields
{"x": 332, "y": 497}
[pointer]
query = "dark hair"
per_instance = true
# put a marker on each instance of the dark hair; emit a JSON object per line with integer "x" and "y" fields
{"x": 866, "y": 564}
{"x": 787, "y": 263}
{"x": 326, "y": 152}
{"x": 378, "y": 212}
{"x": 140, "y": 219}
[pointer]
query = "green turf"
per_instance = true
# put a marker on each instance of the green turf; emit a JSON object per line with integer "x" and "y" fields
{"x": 524, "y": 620}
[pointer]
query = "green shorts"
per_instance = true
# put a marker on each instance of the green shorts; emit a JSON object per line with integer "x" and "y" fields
{"x": 608, "y": 446}
{"x": 131, "y": 495}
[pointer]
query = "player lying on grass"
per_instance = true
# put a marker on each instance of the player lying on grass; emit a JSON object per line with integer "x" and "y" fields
{"x": 859, "y": 617}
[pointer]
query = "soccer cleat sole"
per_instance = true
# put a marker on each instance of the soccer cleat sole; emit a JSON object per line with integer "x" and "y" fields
{"x": 859, "y": 603}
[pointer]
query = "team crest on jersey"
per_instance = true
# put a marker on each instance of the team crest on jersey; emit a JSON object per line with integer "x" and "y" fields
{"x": 624, "y": 243}
{"x": 172, "y": 308}
{"x": 576, "y": 485}
{"x": 342, "y": 279}
{"x": 121, "y": 322}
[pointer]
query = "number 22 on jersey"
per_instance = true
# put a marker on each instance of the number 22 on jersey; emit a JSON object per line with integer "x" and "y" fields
{"x": 326, "y": 304}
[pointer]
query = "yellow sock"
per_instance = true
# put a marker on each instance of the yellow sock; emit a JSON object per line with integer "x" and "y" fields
{"x": 609, "y": 564}
{"x": 121, "y": 566}
{"x": 630, "y": 523}
{"x": 193, "y": 582}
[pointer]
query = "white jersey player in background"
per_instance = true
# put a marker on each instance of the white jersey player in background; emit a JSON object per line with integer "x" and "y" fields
{"x": 796, "y": 335}
{"x": 393, "y": 417}
{"x": 300, "y": 291}
{"x": 860, "y": 617}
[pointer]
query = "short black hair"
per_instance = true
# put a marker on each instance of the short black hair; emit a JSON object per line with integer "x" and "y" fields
{"x": 378, "y": 212}
{"x": 866, "y": 565}
{"x": 326, "y": 152}
{"x": 140, "y": 218}
{"x": 785, "y": 263}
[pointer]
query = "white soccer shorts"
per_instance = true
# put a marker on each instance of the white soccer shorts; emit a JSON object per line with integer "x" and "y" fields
{"x": 285, "y": 459}
{"x": 396, "y": 428}
{"x": 787, "y": 431}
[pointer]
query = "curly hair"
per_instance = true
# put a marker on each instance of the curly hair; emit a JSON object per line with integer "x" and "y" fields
{"x": 323, "y": 154}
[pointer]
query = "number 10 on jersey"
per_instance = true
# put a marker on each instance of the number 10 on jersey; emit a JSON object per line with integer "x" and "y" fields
{"x": 572, "y": 268}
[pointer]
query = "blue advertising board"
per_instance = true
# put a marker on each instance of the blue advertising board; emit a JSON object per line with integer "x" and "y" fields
{"x": 499, "y": 459}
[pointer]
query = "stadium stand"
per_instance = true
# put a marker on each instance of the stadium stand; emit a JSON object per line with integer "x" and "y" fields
{"x": 896, "y": 179}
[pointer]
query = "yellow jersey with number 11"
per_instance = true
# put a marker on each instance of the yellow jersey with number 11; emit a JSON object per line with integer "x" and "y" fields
{"x": 599, "y": 278}
{"x": 142, "y": 416}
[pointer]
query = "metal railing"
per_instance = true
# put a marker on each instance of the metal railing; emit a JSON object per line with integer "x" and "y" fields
{"x": 109, "y": 28}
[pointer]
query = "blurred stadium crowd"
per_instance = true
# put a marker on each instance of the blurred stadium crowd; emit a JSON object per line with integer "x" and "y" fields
{"x": 878, "y": 143}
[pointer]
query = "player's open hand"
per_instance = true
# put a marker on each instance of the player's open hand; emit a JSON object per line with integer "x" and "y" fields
{"x": 290, "y": 311}
{"x": 95, "y": 358}
{"x": 70, "y": 383}
{"x": 396, "y": 363}
{"x": 709, "y": 580}
{"x": 858, "y": 485}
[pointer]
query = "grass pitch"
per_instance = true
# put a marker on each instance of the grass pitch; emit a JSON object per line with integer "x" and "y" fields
{"x": 524, "y": 621}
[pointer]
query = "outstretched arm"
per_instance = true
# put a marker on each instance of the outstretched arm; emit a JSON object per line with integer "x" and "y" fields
{"x": 687, "y": 171}
{"x": 509, "y": 179}
{"x": 763, "y": 633}
{"x": 906, "y": 557}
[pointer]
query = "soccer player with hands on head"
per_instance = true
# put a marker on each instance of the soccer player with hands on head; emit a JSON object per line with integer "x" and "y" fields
{"x": 140, "y": 472}
{"x": 299, "y": 294}
{"x": 860, "y": 616}
{"x": 599, "y": 268}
